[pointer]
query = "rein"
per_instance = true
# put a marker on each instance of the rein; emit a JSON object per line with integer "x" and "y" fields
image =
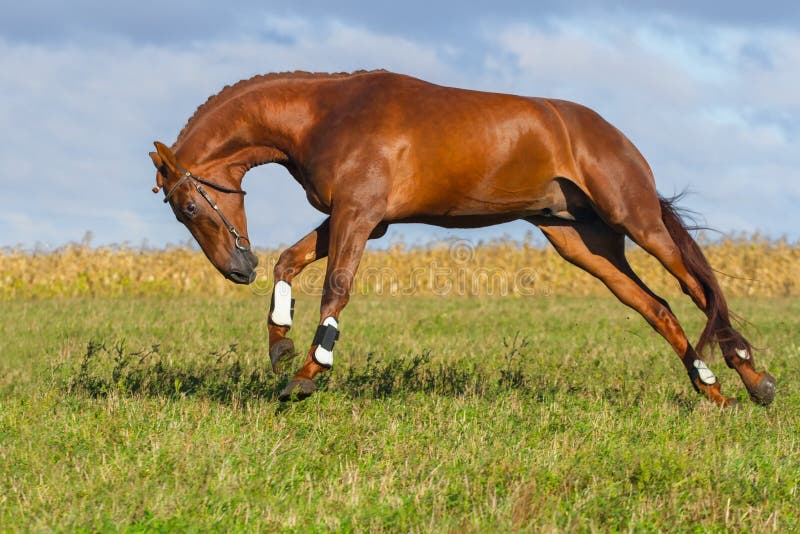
{"x": 196, "y": 181}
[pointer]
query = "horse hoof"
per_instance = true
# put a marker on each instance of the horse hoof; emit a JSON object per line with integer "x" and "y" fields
{"x": 281, "y": 352}
{"x": 764, "y": 392}
{"x": 297, "y": 389}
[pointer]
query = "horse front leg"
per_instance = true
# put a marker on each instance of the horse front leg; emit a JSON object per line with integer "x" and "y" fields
{"x": 350, "y": 230}
{"x": 291, "y": 262}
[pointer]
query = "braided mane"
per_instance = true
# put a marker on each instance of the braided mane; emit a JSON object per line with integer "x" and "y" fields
{"x": 228, "y": 90}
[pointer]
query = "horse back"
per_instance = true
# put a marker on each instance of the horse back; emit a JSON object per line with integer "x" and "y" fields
{"x": 442, "y": 151}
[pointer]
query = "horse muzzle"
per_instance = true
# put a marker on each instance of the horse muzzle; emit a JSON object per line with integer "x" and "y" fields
{"x": 242, "y": 270}
{"x": 242, "y": 278}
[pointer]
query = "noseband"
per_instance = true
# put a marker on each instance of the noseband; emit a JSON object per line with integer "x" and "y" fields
{"x": 196, "y": 181}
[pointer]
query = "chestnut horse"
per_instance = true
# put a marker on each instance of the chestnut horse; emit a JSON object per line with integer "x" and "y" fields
{"x": 377, "y": 148}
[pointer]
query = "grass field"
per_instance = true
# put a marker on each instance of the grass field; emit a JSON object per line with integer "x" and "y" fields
{"x": 441, "y": 415}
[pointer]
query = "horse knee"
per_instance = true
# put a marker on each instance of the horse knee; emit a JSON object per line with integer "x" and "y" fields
{"x": 286, "y": 265}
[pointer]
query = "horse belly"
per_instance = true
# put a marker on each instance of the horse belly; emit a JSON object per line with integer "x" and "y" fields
{"x": 522, "y": 183}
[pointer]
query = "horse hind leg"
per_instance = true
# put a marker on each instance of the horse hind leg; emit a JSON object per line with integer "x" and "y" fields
{"x": 653, "y": 224}
{"x": 735, "y": 348}
{"x": 672, "y": 244}
{"x": 739, "y": 356}
{"x": 597, "y": 249}
{"x": 632, "y": 211}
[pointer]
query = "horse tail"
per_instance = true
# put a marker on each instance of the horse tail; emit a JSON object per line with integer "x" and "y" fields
{"x": 718, "y": 327}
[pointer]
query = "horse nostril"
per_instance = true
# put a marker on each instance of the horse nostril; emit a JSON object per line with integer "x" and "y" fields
{"x": 253, "y": 259}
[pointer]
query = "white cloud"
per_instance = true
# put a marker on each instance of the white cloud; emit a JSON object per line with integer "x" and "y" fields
{"x": 710, "y": 107}
{"x": 713, "y": 108}
{"x": 82, "y": 119}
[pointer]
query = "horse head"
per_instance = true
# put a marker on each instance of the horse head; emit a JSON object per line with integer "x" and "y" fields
{"x": 211, "y": 209}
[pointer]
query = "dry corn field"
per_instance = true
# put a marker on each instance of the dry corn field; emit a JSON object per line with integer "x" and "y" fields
{"x": 748, "y": 267}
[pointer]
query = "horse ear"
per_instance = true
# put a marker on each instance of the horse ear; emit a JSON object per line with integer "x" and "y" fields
{"x": 167, "y": 157}
{"x": 157, "y": 161}
{"x": 159, "y": 164}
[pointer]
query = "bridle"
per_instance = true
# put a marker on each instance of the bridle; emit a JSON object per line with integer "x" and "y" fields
{"x": 196, "y": 181}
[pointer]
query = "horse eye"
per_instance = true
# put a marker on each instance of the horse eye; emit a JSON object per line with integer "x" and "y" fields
{"x": 191, "y": 209}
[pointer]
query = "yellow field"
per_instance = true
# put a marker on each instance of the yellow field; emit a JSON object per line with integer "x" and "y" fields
{"x": 751, "y": 267}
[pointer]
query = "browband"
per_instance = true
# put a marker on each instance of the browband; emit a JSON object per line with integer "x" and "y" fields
{"x": 187, "y": 174}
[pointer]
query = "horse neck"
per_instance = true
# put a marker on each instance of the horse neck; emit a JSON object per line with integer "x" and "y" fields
{"x": 253, "y": 127}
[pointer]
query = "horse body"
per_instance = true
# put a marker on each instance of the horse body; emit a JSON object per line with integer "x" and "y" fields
{"x": 436, "y": 151}
{"x": 373, "y": 149}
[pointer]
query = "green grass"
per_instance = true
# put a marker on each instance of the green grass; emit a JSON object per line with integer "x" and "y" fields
{"x": 440, "y": 415}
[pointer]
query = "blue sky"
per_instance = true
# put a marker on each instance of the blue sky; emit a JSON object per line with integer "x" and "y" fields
{"x": 707, "y": 90}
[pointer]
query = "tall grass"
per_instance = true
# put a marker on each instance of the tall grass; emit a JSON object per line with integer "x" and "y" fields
{"x": 752, "y": 266}
{"x": 433, "y": 419}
